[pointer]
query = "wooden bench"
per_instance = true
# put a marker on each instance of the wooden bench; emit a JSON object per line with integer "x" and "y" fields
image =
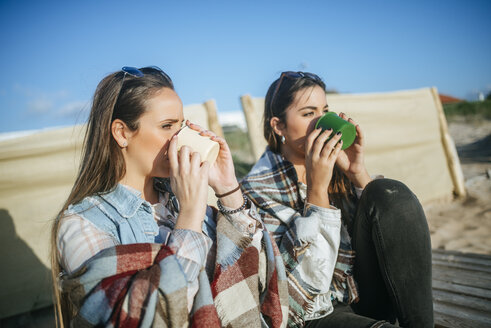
{"x": 461, "y": 289}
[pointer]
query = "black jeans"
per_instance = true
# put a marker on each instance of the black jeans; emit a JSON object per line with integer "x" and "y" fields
{"x": 393, "y": 261}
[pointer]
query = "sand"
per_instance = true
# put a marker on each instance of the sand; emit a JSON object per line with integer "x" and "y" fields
{"x": 465, "y": 224}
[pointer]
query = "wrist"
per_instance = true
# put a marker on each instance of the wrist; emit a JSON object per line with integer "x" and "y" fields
{"x": 360, "y": 180}
{"x": 190, "y": 220}
{"x": 318, "y": 197}
{"x": 233, "y": 200}
{"x": 224, "y": 188}
{"x": 235, "y": 209}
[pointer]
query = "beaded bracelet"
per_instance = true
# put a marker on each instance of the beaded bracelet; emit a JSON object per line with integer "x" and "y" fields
{"x": 225, "y": 211}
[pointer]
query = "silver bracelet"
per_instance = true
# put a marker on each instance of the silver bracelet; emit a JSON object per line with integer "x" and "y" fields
{"x": 225, "y": 211}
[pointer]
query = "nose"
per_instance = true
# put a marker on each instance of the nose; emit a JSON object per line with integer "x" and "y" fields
{"x": 312, "y": 124}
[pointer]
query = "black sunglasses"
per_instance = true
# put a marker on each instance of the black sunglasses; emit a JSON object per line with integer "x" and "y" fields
{"x": 291, "y": 75}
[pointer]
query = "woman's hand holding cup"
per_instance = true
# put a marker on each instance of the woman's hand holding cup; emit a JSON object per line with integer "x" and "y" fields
{"x": 320, "y": 157}
{"x": 222, "y": 172}
{"x": 189, "y": 182}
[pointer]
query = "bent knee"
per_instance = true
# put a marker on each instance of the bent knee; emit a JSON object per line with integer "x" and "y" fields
{"x": 393, "y": 200}
{"x": 388, "y": 191}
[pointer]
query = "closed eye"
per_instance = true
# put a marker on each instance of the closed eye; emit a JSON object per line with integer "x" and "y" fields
{"x": 307, "y": 114}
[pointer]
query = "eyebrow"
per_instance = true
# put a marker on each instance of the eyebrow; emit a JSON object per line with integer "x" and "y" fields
{"x": 171, "y": 120}
{"x": 311, "y": 107}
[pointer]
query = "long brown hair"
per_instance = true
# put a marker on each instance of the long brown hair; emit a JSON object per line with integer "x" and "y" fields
{"x": 118, "y": 96}
{"x": 278, "y": 99}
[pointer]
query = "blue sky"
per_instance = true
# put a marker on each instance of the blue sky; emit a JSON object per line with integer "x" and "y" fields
{"x": 53, "y": 53}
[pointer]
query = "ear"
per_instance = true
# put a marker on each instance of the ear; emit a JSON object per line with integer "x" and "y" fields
{"x": 119, "y": 130}
{"x": 277, "y": 126}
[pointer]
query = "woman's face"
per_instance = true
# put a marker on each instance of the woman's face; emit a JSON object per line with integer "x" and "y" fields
{"x": 147, "y": 147}
{"x": 308, "y": 105}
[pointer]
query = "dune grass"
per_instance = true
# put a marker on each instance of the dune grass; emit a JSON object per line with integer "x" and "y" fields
{"x": 238, "y": 141}
{"x": 468, "y": 111}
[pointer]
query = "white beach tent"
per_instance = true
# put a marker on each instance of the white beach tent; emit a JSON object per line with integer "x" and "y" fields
{"x": 406, "y": 138}
{"x": 37, "y": 171}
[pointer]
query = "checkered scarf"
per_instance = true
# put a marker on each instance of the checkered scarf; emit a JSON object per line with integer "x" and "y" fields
{"x": 273, "y": 186}
{"x": 142, "y": 285}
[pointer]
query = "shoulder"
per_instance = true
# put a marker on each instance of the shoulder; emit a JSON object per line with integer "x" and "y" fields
{"x": 94, "y": 209}
{"x": 271, "y": 170}
{"x": 74, "y": 225}
{"x": 118, "y": 203}
{"x": 267, "y": 164}
{"x": 85, "y": 204}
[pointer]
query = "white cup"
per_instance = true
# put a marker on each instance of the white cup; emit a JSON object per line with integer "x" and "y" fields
{"x": 207, "y": 148}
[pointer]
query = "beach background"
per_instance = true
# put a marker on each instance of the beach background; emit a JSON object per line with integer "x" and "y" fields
{"x": 55, "y": 53}
{"x": 465, "y": 224}
{"x": 458, "y": 224}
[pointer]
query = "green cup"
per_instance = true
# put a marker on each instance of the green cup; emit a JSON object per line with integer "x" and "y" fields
{"x": 331, "y": 120}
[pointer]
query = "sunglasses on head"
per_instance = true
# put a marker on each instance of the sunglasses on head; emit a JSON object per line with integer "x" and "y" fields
{"x": 291, "y": 75}
{"x": 135, "y": 72}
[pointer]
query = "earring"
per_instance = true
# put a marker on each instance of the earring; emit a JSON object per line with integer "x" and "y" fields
{"x": 125, "y": 144}
{"x": 283, "y": 139}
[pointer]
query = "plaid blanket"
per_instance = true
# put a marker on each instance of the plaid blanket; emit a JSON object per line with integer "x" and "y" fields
{"x": 143, "y": 285}
{"x": 273, "y": 186}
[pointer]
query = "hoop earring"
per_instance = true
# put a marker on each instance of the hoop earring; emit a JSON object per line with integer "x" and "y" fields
{"x": 283, "y": 139}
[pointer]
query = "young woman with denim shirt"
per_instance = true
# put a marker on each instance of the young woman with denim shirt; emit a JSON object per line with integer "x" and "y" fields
{"x": 357, "y": 251}
{"x": 136, "y": 243}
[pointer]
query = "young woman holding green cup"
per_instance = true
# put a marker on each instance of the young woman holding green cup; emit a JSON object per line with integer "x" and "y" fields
{"x": 350, "y": 245}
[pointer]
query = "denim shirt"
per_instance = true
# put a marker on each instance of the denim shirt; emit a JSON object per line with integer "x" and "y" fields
{"x": 120, "y": 213}
{"x": 129, "y": 218}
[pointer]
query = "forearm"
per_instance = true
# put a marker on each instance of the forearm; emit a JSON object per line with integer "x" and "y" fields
{"x": 360, "y": 180}
{"x": 318, "y": 197}
{"x": 230, "y": 195}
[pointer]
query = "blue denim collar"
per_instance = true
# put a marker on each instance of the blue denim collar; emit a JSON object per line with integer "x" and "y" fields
{"x": 125, "y": 201}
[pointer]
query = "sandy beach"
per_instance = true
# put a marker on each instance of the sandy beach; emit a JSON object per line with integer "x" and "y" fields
{"x": 465, "y": 224}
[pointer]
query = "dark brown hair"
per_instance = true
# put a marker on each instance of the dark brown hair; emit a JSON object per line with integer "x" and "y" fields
{"x": 277, "y": 101}
{"x": 118, "y": 96}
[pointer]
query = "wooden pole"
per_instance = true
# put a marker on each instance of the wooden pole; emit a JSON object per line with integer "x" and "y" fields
{"x": 450, "y": 150}
{"x": 254, "y": 129}
{"x": 213, "y": 123}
